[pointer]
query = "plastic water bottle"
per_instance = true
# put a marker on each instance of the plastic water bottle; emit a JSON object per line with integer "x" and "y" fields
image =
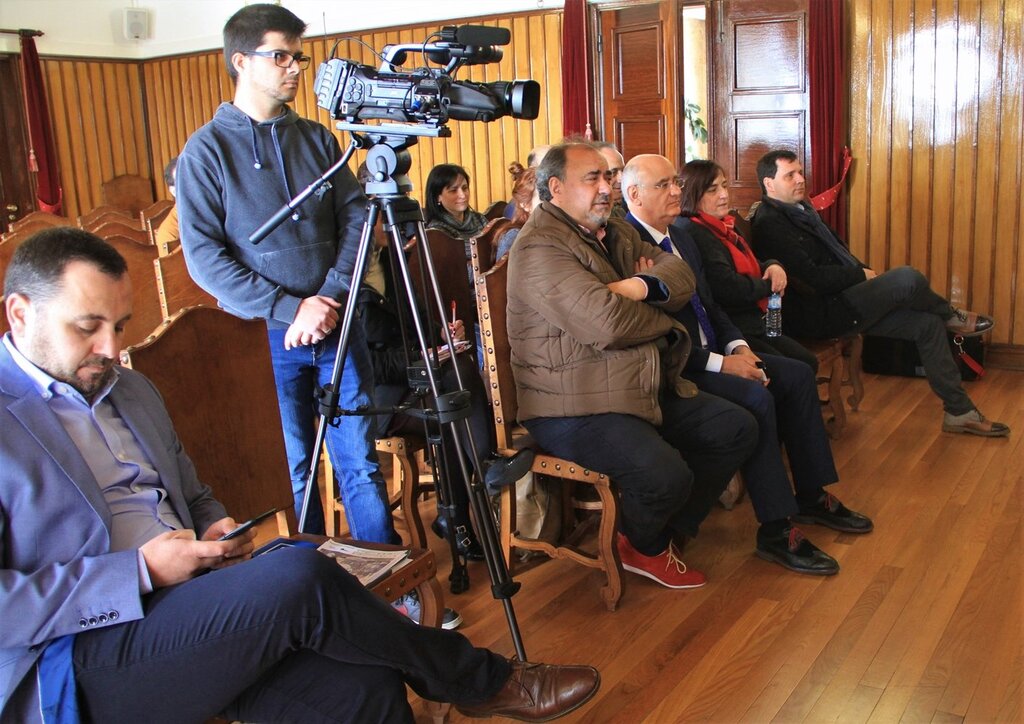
{"x": 773, "y": 319}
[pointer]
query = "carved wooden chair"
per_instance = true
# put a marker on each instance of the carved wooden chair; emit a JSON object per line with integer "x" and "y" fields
{"x": 176, "y": 287}
{"x": 496, "y": 210}
{"x": 491, "y": 299}
{"x": 452, "y": 267}
{"x": 127, "y": 231}
{"x": 404, "y": 489}
{"x": 155, "y": 212}
{"x": 38, "y": 220}
{"x": 482, "y": 257}
{"x": 839, "y": 366}
{"x": 215, "y": 375}
{"x": 88, "y": 220}
{"x": 146, "y": 314}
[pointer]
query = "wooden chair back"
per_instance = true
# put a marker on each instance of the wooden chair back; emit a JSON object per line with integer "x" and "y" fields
{"x": 487, "y": 243}
{"x": 496, "y": 210}
{"x": 128, "y": 191}
{"x": 492, "y": 301}
{"x": 742, "y": 226}
{"x": 4, "y": 326}
{"x": 88, "y": 220}
{"x": 176, "y": 287}
{"x": 8, "y": 245}
{"x": 27, "y": 229}
{"x": 214, "y": 372}
{"x": 39, "y": 220}
{"x": 452, "y": 267}
{"x": 146, "y": 315}
{"x": 128, "y": 231}
{"x": 155, "y": 212}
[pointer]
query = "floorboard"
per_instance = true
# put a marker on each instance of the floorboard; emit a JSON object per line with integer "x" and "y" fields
{"x": 922, "y": 624}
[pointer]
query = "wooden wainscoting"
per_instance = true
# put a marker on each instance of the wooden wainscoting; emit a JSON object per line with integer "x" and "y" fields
{"x": 936, "y": 105}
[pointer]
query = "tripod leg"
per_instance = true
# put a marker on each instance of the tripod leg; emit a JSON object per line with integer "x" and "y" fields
{"x": 446, "y": 510}
{"x": 399, "y": 210}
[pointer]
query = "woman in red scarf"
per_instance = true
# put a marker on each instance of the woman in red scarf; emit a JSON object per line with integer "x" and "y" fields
{"x": 740, "y": 283}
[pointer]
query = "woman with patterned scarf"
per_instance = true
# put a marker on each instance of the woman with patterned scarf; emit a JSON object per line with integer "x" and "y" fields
{"x": 739, "y": 281}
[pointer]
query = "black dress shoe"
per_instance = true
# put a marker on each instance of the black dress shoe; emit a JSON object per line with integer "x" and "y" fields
{"x": 791, "y": 550}
{"x": 502, "y": 471}
{"x": 538, "y": 692}
{"x": 467, "y": 544}
{"x": 828, "y": 511}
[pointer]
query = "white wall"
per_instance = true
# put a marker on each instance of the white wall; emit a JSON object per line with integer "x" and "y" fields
{"x": 93, "y": 28}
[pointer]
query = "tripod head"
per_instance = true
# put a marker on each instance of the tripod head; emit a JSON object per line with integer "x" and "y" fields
{"x": 387, "y": 158}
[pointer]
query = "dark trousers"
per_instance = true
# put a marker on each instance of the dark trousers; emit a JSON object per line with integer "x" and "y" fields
{"x": 901, "y": 304}
{"x": 286, "y": 637}
{"x": 475, "y": 433}
{"x": 667, "y": 477}
{"x": 784, "y": 346}
{"x": 787, "y": 411}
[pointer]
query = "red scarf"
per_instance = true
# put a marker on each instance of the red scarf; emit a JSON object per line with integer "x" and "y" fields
{"x": 742, "y": 257}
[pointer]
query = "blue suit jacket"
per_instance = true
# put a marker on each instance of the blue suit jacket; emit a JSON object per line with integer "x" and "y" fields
{"x": 57, "y": 574}
{"x": 725, "y": 330}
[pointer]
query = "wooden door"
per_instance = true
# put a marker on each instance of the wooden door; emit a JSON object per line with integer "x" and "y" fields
{"x": 16, "y": 189}
{"x": 761, "y": 94}
{"x": 637, "y": 68}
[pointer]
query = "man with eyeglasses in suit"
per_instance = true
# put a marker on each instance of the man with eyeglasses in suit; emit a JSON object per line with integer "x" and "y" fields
{"x": 252, "y": 158}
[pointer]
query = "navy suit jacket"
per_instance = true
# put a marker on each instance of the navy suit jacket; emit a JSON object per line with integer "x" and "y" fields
{"x": 57, "y": 574}
{"x": 725, "y": 330}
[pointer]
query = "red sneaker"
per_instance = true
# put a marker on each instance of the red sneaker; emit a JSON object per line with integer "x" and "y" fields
{"x": 666, "y": 568}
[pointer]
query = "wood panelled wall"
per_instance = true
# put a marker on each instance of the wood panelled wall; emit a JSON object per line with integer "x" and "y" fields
{"x": 935, "y": 121}
{"x": 99, "y": 126}
{"x": 937, "y": 131}
{"x": 121, "y": 117}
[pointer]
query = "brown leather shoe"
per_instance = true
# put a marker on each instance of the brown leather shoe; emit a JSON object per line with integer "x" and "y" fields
{"x": 968, "y": 324}
{"x": 538, "y": 692}
{"x": 974, "y": 423}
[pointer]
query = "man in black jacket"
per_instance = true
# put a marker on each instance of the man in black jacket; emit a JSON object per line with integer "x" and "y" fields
{"x": 831, "y": 292}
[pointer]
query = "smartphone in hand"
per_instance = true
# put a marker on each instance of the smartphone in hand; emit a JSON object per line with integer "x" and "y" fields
{"x": 249, "y": 524}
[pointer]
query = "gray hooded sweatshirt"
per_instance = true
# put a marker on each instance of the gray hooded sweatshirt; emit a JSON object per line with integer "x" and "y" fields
{"x": 233, "y": 174}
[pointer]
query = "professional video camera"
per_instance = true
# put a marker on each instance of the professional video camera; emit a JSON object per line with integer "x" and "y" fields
{"x": 427, "y": 95}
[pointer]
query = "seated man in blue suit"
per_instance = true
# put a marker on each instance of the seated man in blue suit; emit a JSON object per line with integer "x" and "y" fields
{"x": 105, "y": 532}
{"x": 778, "y": 391}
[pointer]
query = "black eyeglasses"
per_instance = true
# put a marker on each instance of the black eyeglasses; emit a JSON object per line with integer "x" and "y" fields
{"x": 282, "y": 58}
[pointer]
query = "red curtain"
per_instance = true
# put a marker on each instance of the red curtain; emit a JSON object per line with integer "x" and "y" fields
{"x": 42, "y": 158}
{"x": 828, "y": 84}
{"x": 575, "y": 102}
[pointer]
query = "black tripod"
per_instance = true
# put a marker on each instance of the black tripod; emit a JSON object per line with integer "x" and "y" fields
{"x": 388, "y": 161}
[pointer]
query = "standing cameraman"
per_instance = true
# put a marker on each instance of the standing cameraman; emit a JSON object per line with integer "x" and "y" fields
{"x": 252, "y": 158}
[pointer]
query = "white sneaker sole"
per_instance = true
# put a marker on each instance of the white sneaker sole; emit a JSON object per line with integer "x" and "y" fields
{"x": 648, "y": 574}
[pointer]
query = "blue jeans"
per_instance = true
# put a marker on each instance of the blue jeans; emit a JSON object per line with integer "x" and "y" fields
{"x": 298, "y": 372}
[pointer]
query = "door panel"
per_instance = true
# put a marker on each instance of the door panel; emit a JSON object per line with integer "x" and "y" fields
{"x": 16, "y": 191}
{"x": 637, "y": 70}
{"x": 762, "y": 99}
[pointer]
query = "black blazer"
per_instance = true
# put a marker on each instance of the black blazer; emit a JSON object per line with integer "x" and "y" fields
{"x": 737, "y": 293}
{"x": 814, "y": 306}
{"x": 725, "y": 330}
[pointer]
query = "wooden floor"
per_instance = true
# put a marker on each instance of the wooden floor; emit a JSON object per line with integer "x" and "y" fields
{"x": 923, "y": 623}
